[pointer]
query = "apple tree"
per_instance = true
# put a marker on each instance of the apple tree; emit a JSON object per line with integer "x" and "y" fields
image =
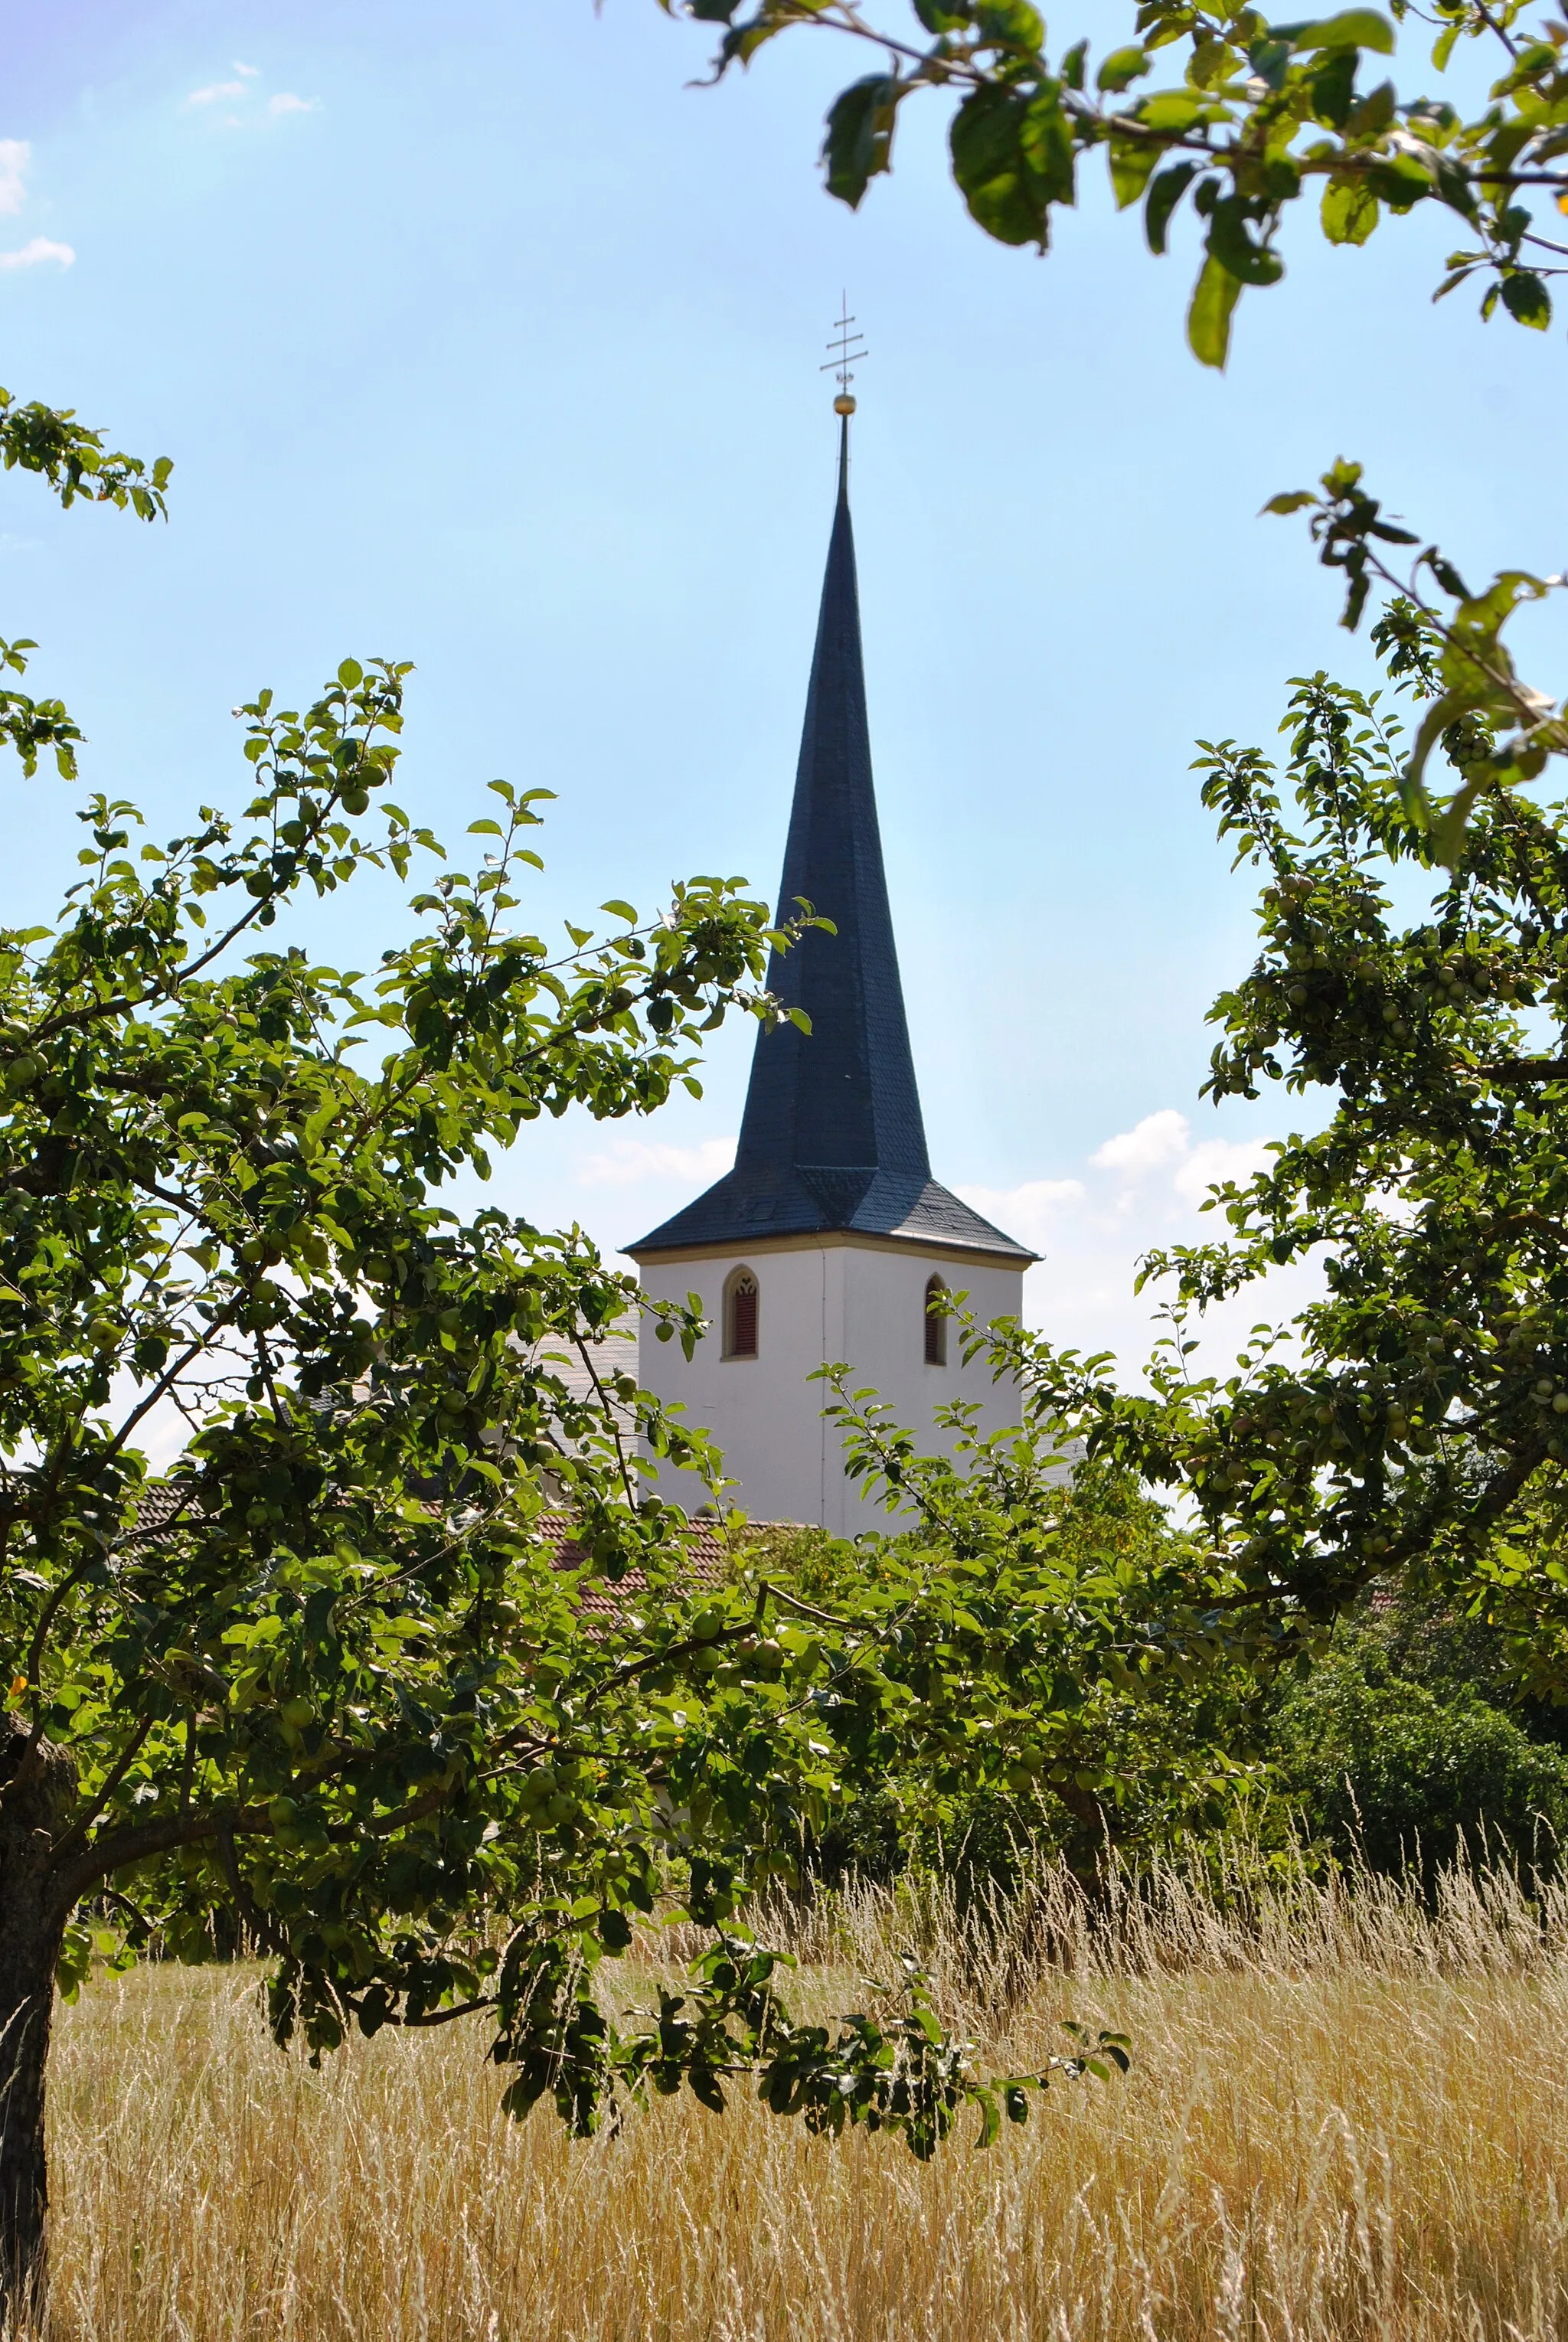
{"x": 399, "y": 1672}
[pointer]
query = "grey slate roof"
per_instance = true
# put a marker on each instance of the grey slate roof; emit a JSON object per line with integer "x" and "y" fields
{"x": 832, "y": 1137}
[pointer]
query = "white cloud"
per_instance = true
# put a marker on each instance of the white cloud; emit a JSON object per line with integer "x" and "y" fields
{"x": 41, "y": 247}
{"x": 1141, "y": 1190}
{"x": 632, "y": 1162}
{"x": 1033, "y": 1213}
{"x": 1160, "y": 1139}
{"x": 214, "y": 91}
{"x": 285, "y": 102}
{"x": 250, "y": 72}
{"x": 1215, "y": 1160}
{"x": 1162, "y": 1143}
{"x": 16, "y": 155}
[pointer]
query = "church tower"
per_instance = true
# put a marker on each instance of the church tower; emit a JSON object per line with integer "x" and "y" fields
{"x": 829, "y": 1237}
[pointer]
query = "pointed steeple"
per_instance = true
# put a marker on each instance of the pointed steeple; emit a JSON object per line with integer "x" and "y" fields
{"x": 839, "y": 1105}
{"x": 833, "y": 1136}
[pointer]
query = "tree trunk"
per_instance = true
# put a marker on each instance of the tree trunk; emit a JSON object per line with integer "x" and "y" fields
{"x": 35, "y": 1795}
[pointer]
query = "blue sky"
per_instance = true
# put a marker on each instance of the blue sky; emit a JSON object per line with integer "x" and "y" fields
{"x": 479, "y": 337}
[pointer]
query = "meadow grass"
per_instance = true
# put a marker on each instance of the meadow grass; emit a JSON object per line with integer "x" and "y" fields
{"x": 1347, "y": 2116}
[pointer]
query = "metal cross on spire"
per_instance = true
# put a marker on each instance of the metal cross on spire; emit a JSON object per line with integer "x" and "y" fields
{"x": 845, "y": 356}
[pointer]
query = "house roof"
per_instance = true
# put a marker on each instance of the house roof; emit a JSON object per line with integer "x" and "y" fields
{"x": 167, "y": 1505}
{"x": 707, "y": 1564}
{"x": 833, "y": 1136}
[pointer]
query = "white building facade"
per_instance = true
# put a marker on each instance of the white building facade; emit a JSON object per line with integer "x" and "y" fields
{"x": 830, "y": 1240}
{"x": 821, "y": 1299}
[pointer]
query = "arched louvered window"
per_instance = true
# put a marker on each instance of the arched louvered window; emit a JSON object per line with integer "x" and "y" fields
{"x": 740, "y": 1314}
{"x": 935, "y": 1324}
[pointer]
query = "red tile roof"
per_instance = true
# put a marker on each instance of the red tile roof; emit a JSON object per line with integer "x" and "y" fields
{"x": 708, "y": 1559}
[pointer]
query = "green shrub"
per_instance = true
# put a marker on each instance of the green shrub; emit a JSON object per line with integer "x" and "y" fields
{"x": 1405, "y": 1738}
{"x": 1398, "y": 1745}
{"x": 1158, "y": 1731}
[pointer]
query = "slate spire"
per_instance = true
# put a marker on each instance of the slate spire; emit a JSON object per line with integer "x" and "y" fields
{"x": 833, "y": 1136}
{"x": 838, "y": 1105}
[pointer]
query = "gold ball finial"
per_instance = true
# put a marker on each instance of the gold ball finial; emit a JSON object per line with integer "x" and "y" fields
{"x": 844, "y": 403}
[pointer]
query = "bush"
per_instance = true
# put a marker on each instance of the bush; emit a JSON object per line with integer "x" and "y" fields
{"x": 1407, "y": 1739}
{"x": 1399, "y": 1743}
{"x": 1149, "y": 1776}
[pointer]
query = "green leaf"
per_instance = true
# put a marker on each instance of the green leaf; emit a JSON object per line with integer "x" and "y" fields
{"x": 1130, "y": 161}
{"x": 614, "y": 1930}
{"x": 1372, "y": 116}
{"x": 1434, "y": 724}
{"x": 1171, "y": 112}
{"x": 351, "y": 675}
{"x": 993, "y": 175}
{"x": 1013, "y": 24}
{"x": 1270, "y": 60}
{"x": 1122, "y": 66}
{"x": 1455, "y": 186}
{"x": 1447, "y": 576}
{"x": 859, "y": 141}
{"x": 1333, "y": 87}
{"x": 1354, "y": 28}
{"x": 1402, "y": 180}
{"x": 1293, "y": 500}
{"x": 1164, "y": 197}
{"x": 706, "y": 2086}
{"x": 1449, "y": 826}
{"x": 1230, "y": 243}
{"x": 1045, "y": 142}
{"x": 1214, "y": 296}
{"x": 1350, "y": 211}
{"x": 1527, "y": 299}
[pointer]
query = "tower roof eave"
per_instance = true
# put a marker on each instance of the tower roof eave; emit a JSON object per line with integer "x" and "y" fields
{"x": 738, "y": 1211}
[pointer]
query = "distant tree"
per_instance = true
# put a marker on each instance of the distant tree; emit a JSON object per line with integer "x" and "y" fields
{"x": 1406, "y": 1747}
{"x": 1122, "y": 1749}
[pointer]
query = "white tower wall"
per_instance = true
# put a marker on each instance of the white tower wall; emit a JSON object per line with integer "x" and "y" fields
{"x": 820, "y": 1298}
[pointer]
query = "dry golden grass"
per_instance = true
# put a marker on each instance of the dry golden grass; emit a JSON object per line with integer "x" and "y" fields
{"x": 1345, "y": 2118}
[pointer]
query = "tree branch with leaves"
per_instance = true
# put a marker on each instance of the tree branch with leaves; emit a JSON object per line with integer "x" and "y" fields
{"x": 1412, "y": 1421}
{"x": 1261, "y": 117}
